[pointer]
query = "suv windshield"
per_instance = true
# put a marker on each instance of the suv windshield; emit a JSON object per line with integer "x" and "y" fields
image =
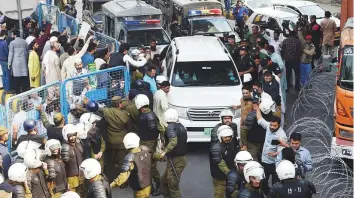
{"x": 346, "y": 71}
{"x": 210, "y": 25}
{"x": 312, "y": 10}
{"x": 205, "y": 73}
{"x": 138, "y": 38}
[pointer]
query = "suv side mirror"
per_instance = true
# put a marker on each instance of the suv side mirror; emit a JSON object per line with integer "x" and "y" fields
{"x": 247, "y": 78}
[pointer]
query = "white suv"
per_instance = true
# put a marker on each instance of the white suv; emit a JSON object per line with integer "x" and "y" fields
{"x": 204, "y": 81}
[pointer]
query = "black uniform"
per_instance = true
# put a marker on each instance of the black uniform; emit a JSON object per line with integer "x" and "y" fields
{"x": 235, "y": 181}
{"x": 38, "y": 184}
{"x": 273, "y": 90}
{"x": 177, "y": 130}
{"x": 250, "y": 192}
{"x": 221, "y": 151}
{"x": 19, "y": 190}
{"x": 72, "y": 157}
{"x": 57, "y": 174}
{"x": 116, "y": 59}
{"x": 99, "y": 188}
{"x": 292, "y": 188}
{"x": 148, "y": 130}
{"x": 243, "y": 63}
{"x": 214, "y": 132}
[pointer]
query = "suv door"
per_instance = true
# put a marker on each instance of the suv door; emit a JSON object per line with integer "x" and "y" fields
{"x": 272, "y": 25}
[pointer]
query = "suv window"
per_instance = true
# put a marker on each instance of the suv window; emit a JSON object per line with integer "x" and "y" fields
{"x": 272, "y": 24}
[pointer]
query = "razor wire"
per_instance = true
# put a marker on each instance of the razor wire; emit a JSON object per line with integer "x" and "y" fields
{"x": 100, "y": 86}
{"x": 27, "y": 104}
{"x": 311, "y": 113}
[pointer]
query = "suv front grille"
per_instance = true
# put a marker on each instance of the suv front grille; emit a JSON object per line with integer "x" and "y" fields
{"x": 203, "y": 114}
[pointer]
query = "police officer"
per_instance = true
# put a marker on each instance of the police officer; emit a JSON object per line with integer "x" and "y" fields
{"x": 22, "y": 148}
{"x": 30, "y": 125}
{"x": 57, "y": 181}
{"x": 289, "y": 186}
{"x": 98, "y": 183}
{"x": 18, "y": 174}
{"x": 226, "y": 116}
{"x": 149, "y": 130}
{"x": 235, "y": 179}
{"x": 129, "y": 106}
{"x": 37, "y": 170}
{"x": 254, "y": 173}
{"x": 136, "y": 167}
{"x": 119, "y": 123}
{"x": 72, "y": 155}
{"x": 175, "y": 150}
{"x": 221, "y": 159}
{"x": 244, "y": 62}
{"x": 142, "y": 88}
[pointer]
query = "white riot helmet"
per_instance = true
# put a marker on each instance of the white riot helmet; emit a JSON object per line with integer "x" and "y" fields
{"x": 224, "y": 131}
{"x": 18, "y": 172}
{"x": 160, "y": 79}
{"x": 69, "y": 129}
{"x": 226, "y": 112}
{"x": 171, "y": 115}
{"x": 34, "y": 157}
{"x": 285, "y": 170}
{"x": 89, "y": 118}
{"x": 267, "y": 105}
{"x": 253, "y": 169}
{"x": 243, "y": 157}
{"x": 91, "y": 168}
{"x": 135, "y": 53}
{"x": 82, "y": 130}
{"x": 26, "y": 145}
{"x": 131, "y": 140}
{"x": 70, "y": 194}
{"x": 52, "y": 145}
{"x": 141, "y": 100}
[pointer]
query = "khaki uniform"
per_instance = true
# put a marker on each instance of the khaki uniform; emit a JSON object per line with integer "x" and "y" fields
{"x": 129, "y": 106}
{"x": 219, "y": 188}
{"x": 119, "y": 124}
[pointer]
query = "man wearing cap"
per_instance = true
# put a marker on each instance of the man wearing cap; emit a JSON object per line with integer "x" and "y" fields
{"x": 4, "y": 150}
{"x": 119, "y": 124}
{"x": 53, "y": 131}
{"x": 161, "y": 101}
{"x": 232, "y": 45}
{"x": 243, "y": 63}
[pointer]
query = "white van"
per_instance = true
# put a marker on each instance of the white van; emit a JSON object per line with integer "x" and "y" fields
{"x": 204, "y": 81}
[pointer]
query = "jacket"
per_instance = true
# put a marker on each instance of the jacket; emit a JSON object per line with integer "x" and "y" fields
{"x": 292, "y": 188}
{"x": 272, "y": 89}
{"x": 57, "y": 174}
{"x": 34, "y": 69}
{"x": 250, "y": 192}
{"x": 214, "y": 136}
{"x": 99, "y": 188}
{"x": 38, "y": 184}
{"x": 4, "y": 50}
{"x": 72, "y": 157}
{"x": 6, "y": 159}
{"x": 176, "y": 140}
{"x": 308, "y": 50}
{"x": 235, "y": 182}
{"x": 18, "y": 57}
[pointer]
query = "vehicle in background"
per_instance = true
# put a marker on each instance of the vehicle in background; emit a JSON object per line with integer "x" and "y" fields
{"x": 305, "y": 8}
{"x": 251, "y": 5}
{"x": 204, "y": 81}
{"x": 196, "y": 17}
{"x": 271, "y": 19}
{"x": 93, "y": 15}
{"x": 134, "y": 22}
{"x": 342, "y": 142}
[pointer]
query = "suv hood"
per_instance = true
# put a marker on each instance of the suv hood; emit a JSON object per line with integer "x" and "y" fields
{"x": 205, "y": 96}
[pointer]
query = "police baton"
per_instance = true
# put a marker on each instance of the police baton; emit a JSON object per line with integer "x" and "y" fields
{"x": 173, "y": 168}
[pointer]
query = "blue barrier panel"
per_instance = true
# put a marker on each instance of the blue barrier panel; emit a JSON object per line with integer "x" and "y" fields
{"x": 48, "y": 13}
{"x": 100, "y": 86}
{"x": 107, "y": 41}
{"x": 68, "y": 21}
{"x": 22, "y": 106}
{"x": 2, "y": 115}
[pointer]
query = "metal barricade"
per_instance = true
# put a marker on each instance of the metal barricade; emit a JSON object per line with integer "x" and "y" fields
{"x": 66, "y": 21}
{"x": 2, "y": 115}
{"x": 49, "y": 14}
{"x": 99, "y": 86}
{"x": 107, "y": 41}
{"x": 23, "y": 106}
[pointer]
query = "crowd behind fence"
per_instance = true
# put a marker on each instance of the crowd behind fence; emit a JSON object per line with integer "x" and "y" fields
{"x": 62, "y": 97}
{"x": 107, "y": 41}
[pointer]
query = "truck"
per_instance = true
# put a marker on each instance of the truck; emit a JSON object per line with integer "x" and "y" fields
{"x": 134, "y": 22}
{"x": 342, "y": 142}
{"x": 93, "y": 13}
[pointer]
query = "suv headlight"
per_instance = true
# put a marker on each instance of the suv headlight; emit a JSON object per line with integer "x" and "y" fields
{"x": 346, "y": 134}
{"x": 237, "y": 112}
{"x": 182, "y": 111}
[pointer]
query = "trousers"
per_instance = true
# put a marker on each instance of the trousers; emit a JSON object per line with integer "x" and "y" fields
{"x": 219, "y": 188}
{"x": 5, "y": 76}
{"x": 21, "y": 84}
{"x": 255, "y": 149}
{"x": 169, "y": 180}
{"x": 305, "y": 70}
{"x": 113, "y": 161}
{"x": 290, "y": 66}
{"x": 269, "y": 169}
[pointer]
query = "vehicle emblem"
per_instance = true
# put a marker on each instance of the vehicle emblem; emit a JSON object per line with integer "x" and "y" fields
{"x": 211, "y": 113}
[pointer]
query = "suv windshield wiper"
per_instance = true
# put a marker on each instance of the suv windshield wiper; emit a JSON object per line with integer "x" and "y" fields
{"x": 222, "y": 83}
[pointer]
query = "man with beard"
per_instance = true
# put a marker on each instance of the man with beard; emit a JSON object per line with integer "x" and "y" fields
{"x": 226, "y": 116}
{"x": 34, "y": 67}
{"x": 221, "y": 158}
{"x": 271, "y": 146}
{"x": 72, "y": 155}
{"x": 56, "y": 177}
{"x": 235, "y": 179}
{"x": 254, "y": 173}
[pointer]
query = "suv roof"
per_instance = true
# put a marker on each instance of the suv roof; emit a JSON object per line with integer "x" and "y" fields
{"x": 296, "y": 4}
{"x": 200, "y": 48}
{"x": 274, "y": 13}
